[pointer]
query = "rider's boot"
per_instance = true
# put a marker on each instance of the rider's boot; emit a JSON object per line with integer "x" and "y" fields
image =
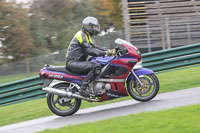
{"x": 84, "y": 91}
{"x": 88, "y": 79}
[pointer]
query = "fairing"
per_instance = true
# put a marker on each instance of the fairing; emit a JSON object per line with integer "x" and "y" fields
{"x": 139, "y": 72}
{"x": 102, "y": 60}
{"x": 61, "y": 76}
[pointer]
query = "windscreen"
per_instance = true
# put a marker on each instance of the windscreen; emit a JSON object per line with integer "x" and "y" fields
{"x": 121, "y": 41}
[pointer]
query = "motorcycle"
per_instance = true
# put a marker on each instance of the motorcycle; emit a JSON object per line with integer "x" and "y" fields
{"x": 121, "y": 75}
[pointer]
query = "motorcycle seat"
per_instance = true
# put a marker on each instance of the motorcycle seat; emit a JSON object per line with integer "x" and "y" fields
{"x": 61, "y": 69}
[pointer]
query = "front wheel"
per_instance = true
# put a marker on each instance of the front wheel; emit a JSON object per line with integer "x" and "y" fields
{"x": 148, "y": 92}
{"x": 63, "y": 106}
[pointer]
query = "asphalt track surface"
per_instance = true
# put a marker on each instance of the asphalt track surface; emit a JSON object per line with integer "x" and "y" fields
{"x": 160, "y": 102}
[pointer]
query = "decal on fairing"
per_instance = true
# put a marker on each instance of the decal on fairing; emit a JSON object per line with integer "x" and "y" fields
{"x": 55, "y": 76}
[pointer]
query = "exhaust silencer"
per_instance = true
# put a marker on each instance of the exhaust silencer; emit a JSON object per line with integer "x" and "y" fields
{"x": 57, "y": 92}
{"x": 66, "y": 94}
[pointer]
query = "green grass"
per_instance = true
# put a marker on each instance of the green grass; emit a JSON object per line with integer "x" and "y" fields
{"x": 169, "y": 81}
{"x": 179, "y": 79}
{"x": 178, "y": 120}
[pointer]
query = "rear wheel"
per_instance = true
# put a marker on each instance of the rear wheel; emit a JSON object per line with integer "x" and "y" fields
{"x": 63, "y": 106}
{"x": 148, "y": 92}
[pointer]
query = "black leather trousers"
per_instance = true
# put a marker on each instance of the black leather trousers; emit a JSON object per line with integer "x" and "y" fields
{"x": 92, "y": 69}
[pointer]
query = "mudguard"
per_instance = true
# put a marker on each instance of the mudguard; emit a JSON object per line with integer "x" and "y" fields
{"x": 141, "y": 71}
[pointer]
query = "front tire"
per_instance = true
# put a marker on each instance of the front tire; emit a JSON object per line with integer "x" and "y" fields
{"x": 150, "y": 90}
{"x": 63, "y": 106}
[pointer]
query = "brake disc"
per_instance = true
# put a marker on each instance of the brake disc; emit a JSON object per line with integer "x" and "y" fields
{"x": 147, "y": 85}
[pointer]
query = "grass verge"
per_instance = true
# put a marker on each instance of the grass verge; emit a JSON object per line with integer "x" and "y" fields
{"x": 178, "y": 120}
{"x": 169, "y": 81}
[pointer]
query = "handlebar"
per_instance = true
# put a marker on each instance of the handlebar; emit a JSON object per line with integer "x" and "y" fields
{"x": 118, "y": 51}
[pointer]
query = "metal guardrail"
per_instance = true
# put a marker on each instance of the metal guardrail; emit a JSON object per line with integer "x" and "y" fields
{"x": 30, "y": 88}
{"x": 20, "y": 91}
{"x": 172, "y": 58}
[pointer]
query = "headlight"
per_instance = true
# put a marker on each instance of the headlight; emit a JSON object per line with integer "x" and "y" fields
{"x": 138, "y": 65}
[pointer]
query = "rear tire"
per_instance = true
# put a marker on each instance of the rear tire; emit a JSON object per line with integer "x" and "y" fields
{"x": 63, "y": 106}
{"x": 147, "y": 93}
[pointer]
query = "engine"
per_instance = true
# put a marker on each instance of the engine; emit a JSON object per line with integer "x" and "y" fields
{"x": 101, "y": 88}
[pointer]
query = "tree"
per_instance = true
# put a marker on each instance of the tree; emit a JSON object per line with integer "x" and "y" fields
{"x": 109, "y": 13}
{"x": 54, "y": 22}
{"x": 49, "y": 21}
{"x": 16, "y": 39}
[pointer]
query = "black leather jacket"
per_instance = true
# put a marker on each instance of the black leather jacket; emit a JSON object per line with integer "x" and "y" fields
{"x": 81, "y": 46}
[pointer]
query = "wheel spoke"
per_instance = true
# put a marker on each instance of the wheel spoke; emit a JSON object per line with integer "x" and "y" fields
{"x": 55, "y": 99}
{"x": 71, "y": 105}
{"x": 55, "y": 102}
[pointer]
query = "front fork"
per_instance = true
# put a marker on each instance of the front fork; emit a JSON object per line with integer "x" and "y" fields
{"x": 137, "y": 78}
{"x": 135, "y": 73}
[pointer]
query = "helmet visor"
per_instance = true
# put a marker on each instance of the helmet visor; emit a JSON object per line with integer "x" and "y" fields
{"x": 96, "y": 28}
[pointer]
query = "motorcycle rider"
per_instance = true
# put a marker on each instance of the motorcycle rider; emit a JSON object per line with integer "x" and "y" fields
{"x": 81, "y": 46}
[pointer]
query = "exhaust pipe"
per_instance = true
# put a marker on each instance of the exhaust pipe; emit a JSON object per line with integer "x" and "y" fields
{"x": 66, "y": 94}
